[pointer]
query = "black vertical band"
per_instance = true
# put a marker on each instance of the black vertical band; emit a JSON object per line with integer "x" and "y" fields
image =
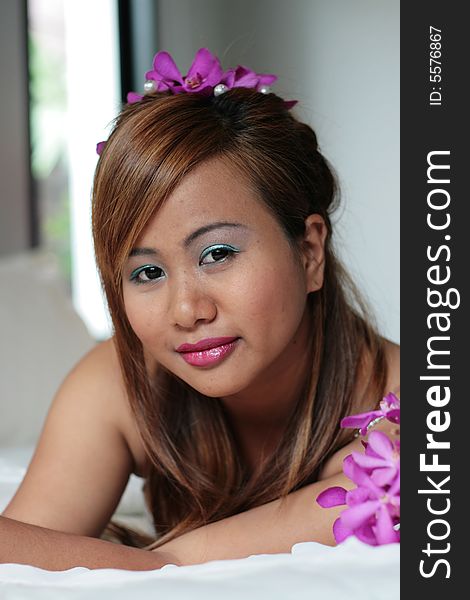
{"x": 125, "y": 47}
{"x": 434, "y": 301}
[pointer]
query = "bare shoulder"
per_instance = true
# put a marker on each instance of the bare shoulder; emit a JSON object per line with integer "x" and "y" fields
{"x": 99, "y": 372}
{"x": 100, "y": 363}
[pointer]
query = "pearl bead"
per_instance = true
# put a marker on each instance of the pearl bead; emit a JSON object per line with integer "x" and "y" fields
{"x": 264, "y": 89}
{"x": 220, "y": 89}
{"x": 149, "y": 86}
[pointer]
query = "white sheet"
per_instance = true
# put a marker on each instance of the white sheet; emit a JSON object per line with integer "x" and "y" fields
{"x": 312, "y": 571}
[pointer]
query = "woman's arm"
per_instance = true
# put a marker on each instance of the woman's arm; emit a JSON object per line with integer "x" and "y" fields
{"x": 274, "y": 527}
{"x": 269, "y": 529}
{"x": 55, "y": 551}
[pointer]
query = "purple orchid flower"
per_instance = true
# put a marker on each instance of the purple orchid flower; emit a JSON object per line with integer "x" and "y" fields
{"x": 244, "y": 77}
{"x": 372, "y": 512}
{"x": 203, "y": 75}
{"x": 381, "y": 459}
{"x": 378, "y": 512}
{"x": 205, "y": 72}
{"x": 389, "y": 409}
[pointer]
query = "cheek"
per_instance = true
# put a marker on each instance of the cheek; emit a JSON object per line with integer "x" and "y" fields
{"x": 272, "y": 299}
{"x": 143, "y": 316}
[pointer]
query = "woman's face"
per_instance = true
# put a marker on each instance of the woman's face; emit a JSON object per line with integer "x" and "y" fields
{"x": 213, "y": 288}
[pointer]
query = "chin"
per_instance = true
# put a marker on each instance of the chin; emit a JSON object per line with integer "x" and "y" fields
{"x": 215, "y": 385}
{"x": 216, "y": 390}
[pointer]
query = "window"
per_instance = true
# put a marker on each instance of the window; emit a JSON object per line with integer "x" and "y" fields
{"x": 75, "y": 93}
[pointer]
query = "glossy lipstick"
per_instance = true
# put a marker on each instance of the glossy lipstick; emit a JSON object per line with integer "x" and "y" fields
{"x": 207, "y": 352}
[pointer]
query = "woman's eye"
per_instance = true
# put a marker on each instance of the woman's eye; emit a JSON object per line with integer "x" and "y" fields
{"x": 146, "y": 274}
{"x": 217, "y": 253}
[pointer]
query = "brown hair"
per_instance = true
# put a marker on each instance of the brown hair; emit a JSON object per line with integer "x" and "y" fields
{"x": 197, "y": 475}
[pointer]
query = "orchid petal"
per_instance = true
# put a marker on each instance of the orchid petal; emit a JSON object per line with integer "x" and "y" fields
{"x": 370, "y": 451}
{"x": 395, "y": 487}
{"x": 166, "y": 68}
{"x": 161, "y": 85}
{"x": 384, "y": 528}
{"x": 133, "y": 97}
{"x": 228, "y": 78}
{"x": 381, "y": 444}
{"x": 355, "y": 516}
{"x": 333, "y": 496}
{"x": 340, "y": 531}
{"x": 360, "y": 477}
{"x": 202, "y": 64}
{"x": 266, "y": 79}
{"x": 368, "y": 462}
{"x": 154, "y": 76}
{"x": 394, "y": 415}
{"x": 366, "y": 534}
{"x": 245, "y": 77}
{"x": 390, "y": 401}
{"x": 215, "y": 74}
{"x": 360, "y": 421}
{"x": 100, "y": 147}
{"x": 383, "y": 477}
{"x": 357, "y": 496}
{"x": 348, "y": 467}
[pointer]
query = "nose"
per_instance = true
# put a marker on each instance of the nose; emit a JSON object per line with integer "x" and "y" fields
{"x": 190, "y": 303}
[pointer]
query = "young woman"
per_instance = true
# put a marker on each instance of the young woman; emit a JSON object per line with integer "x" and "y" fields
{"x": 239, "y": 342}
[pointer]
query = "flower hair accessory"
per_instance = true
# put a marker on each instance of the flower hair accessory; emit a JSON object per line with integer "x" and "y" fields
{"x": 205, "y": 76}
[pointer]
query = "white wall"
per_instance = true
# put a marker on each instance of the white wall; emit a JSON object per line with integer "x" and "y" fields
{"x": 340, "y": 58}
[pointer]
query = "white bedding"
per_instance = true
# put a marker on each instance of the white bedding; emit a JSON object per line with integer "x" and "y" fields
{"x": 349, "y": 571}
{"x": 311, "y": 571}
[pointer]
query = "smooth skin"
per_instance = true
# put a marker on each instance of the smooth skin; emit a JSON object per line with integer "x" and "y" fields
{"x": 182, "y": 284}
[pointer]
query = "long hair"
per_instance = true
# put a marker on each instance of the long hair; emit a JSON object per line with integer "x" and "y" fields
{"x": 197, "y": 475}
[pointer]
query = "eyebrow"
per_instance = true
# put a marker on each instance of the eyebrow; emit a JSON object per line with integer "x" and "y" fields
{"x": 191, "y": 237}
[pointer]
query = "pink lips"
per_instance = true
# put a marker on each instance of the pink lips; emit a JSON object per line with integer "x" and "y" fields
{"x": 209, "y": 351}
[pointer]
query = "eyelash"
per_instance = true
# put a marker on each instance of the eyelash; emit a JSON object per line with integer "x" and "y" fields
{"x": 231, "y": 251}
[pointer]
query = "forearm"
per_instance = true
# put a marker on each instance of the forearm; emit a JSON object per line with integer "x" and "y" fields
{"x": 55, "y": 551}
{"x": 272, "y": 528}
